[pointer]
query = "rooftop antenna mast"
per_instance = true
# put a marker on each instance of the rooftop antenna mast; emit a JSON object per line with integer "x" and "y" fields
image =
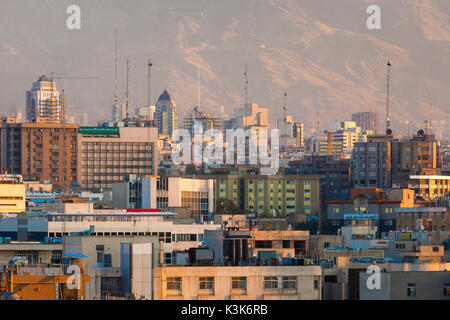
{"x": 198, "y": 87}
{"x": 116, "y": 89}
{"x": 246, "y": 87}
{"x": 318, "y": 122}
{"x": 149, "y": 98}
{"x": 127, "y": 104}
{"x": 388, "y": 76}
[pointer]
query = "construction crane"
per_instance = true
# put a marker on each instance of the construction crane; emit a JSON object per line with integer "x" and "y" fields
{"x": 63, "y": 104}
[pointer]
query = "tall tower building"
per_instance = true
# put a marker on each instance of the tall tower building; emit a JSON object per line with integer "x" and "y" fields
{"x": 166, "y": 114}
{"x": 44, "y": 101}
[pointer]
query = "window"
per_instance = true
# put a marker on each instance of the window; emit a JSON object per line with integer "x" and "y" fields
{"x": 206, "y": 283}
{"x": 316, "y": 284}
{"x": 286, "y": 244}
{"x": 411, "y": 290}
{"x": 446, "y": 289}
{"x": 174, "y": 283}
{"x": 270, "y": 282}
{"x": 330, "y": 279}
{"x": 263, "y": 244}
{"x": 56, "y": 256}
{"x": 290, "y": 282}
{"x": 239, "y": 283}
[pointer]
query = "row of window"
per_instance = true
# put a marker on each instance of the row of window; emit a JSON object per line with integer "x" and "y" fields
{"x": 270, "y": 282}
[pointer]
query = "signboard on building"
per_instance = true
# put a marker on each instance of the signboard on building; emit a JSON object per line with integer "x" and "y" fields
{"x": 98, "y": 130}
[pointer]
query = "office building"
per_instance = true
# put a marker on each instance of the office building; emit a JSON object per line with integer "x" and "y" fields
{"x": 167, "y": 192}
{"x": 108, "y": 154}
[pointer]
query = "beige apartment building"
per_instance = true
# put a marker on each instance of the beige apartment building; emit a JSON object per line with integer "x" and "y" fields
{"x": 238, "y": 283}
{"x": 107, "y": 154}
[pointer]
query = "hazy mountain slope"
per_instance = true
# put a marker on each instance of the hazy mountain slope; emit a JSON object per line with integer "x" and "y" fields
{"x": 319, "y": 52}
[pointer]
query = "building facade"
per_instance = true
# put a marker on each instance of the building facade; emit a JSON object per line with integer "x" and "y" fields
{"x": 44, "y": 101}
{"x": 166, "y": 114}
{"x": 107, "y": 155}
{"x": 238, "y": 283}
{"x": 40, "y": 151}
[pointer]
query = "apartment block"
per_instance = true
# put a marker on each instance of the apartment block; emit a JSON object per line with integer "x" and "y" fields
{"x": 40, "y": 151}
{"x": 238, "y": 283}
{"x": 268, "y": 195}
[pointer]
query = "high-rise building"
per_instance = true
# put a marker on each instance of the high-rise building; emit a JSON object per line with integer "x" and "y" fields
{"x": 44, "y": 101}
{"x": 108, "y": 154}
{"x": 372, "y": 164}
{"x": 366, "y": 120}
{"x": 166, "y": 114}
{"x": 381, "y": 158}
{"x": 43, "y": 151}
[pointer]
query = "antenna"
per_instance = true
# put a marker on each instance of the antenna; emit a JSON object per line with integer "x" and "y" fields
{"x": 127, "y": 91}
{"x": 388, "y": 121}
{"x": 198, "y": 87}
{"x": 149, "y": 98}
{"x": 318, "y": 122}
{"x": 284, "y": 107}
{"x": 116, "y": 91}
{"x": 246, "y": 87}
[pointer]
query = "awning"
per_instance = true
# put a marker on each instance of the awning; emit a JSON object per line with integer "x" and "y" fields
{"x": 75, "y": 255}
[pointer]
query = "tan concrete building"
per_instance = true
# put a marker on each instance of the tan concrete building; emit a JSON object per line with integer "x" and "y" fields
{"x": 12, "y": 194}
{"x": 107, "y": 154}
{"x": 238, "y": 283}
{"x": 286, "y": 243}
{"x": 40, "y": 151}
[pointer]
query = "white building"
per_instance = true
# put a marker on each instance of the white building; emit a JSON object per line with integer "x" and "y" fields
{"x": 44, "y": 101}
